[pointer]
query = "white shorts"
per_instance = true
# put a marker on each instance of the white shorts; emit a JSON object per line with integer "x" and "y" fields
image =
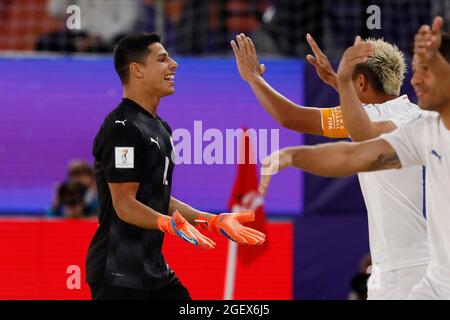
{"x": 427, "y": 289}
{"x": 395, "y": 284}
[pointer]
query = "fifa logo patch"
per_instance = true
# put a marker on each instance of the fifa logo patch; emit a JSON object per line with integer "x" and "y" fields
{"x": 124, "y": 157}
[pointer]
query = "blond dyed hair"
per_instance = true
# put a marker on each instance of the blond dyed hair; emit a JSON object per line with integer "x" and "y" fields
{"x": 388, "y": 64}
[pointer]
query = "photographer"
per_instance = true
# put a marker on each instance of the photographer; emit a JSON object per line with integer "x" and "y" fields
{"x": 69, "y": 201}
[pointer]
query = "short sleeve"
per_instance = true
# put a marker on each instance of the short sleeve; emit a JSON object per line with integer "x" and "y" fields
{"x": 122, "y": 155}
{"x": 400, "y": 121}
{"x": 374, "y": 112}
{"x": 407, "y": 143}
{"x": 397, "y": 114}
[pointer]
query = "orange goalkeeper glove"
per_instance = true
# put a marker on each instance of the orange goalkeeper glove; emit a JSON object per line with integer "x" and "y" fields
{"x": 179, "y": 226}
{"x": 229, "y": 225}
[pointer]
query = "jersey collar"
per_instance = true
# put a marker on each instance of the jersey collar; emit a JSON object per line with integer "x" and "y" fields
{"x": 136, "y": 106}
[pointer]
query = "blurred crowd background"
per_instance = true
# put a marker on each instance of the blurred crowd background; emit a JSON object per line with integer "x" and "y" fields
{"x": 205, "y": 27}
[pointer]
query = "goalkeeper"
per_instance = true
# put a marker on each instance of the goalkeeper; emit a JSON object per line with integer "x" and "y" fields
{"x": 133, "y": 169}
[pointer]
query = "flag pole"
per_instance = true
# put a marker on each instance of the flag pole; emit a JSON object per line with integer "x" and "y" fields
{"x": 230, "y": 274}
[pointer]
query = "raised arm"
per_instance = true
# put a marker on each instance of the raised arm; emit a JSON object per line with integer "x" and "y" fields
{"x": 356, "y": 119}
{"x": 327, "y": 122}
{"x": 426, "y": 46}
{"x": 284, "y": 111}
{"x": 331, "y": 159}
{"x": 321, "y": 63}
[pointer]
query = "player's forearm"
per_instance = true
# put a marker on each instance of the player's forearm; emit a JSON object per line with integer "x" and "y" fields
{"x": 134, "y": 212}
{"x": 273, "y": 102}
{"x": 284, "y": 111}
{"x": 441, "y": 71}
{"x": 188, "y": 212}
{"x": 355, "y": 117}
{"x": 345, "y": 158}
{"x": 330, "y": 159}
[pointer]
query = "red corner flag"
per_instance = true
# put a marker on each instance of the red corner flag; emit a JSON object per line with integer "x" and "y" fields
{"x": 245, "y": 196}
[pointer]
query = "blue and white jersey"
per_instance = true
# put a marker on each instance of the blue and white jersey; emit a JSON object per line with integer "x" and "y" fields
{"x": 426, "y": 141}
{"x": 394, "y": 201}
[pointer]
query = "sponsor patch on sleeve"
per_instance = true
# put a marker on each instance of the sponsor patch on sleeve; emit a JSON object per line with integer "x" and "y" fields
{"x": 124, "y": 157}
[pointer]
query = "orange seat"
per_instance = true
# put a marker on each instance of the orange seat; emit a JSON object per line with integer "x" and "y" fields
{"x": 22, "y": 22}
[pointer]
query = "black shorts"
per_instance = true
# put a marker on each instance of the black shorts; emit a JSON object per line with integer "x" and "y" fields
{"x": 173, "y": 291}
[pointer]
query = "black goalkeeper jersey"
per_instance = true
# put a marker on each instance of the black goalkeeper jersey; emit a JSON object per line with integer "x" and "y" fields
{"x": 131, "y": 146}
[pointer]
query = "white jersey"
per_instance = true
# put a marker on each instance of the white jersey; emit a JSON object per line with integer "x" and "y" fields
{"x": 426, "y": 141}
{"x": 394, "y": 201}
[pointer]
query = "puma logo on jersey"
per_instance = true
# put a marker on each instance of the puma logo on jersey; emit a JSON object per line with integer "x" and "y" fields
{"x": 156, "y": 142}
{"x": 121, "y": 121}
{"x": 434, "y": 153}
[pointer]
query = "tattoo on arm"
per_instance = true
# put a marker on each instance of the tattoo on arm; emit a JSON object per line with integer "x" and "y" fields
{"x": 385, "y": 161}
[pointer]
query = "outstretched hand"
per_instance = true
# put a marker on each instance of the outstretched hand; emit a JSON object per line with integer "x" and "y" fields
{"x": 231, "y": 226}
{"x": 321, "y": 63}
{"x": 428, "y": 40}
{"x": 271, "y": 165}
{"x": 246, "y": 58}
{"x": 356, "y": 54}
{"x": 180, "y": 227}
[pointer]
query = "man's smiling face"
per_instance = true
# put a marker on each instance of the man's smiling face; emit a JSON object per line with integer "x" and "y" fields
{"x": 424, "y": 83}
{"x": 159, "y": 71}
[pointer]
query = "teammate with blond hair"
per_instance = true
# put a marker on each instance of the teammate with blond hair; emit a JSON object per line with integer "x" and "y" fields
{"x": 423, "y": 141}
{"x": 372, "y": 106}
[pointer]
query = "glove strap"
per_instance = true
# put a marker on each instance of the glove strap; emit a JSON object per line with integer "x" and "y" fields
{"x": 163, "y": 223}
{"x": 205, "y": 221}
